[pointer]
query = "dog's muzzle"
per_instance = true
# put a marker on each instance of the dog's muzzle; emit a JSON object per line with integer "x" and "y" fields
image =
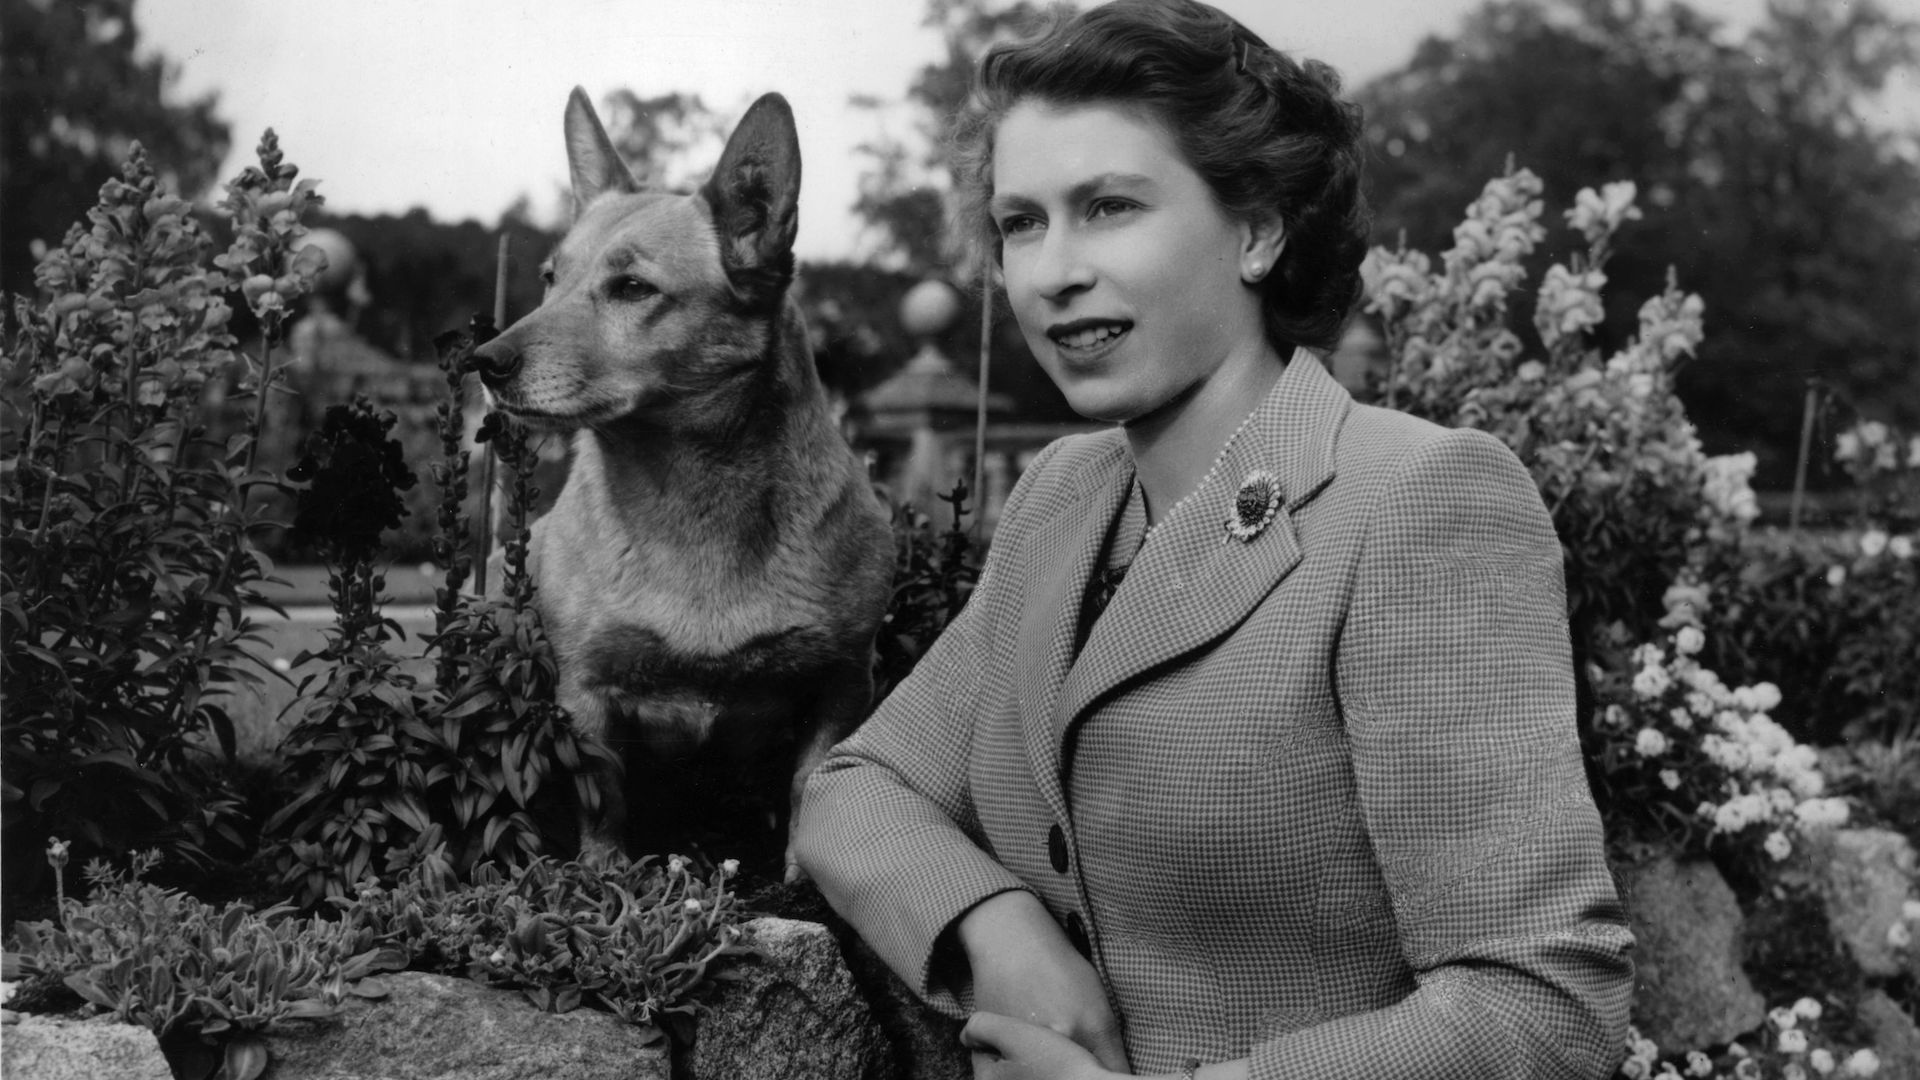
{"x": 497, "y": 362}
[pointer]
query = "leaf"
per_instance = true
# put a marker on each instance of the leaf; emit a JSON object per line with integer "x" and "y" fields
{"x": 246, "y": 1058}
{"x": 370, "y": 988}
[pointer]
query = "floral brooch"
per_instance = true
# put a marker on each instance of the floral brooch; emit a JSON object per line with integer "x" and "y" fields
{"x": 1254, "y": 506}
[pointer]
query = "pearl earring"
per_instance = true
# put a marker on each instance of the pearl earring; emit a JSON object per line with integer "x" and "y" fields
{"x": 1256, "y": 270}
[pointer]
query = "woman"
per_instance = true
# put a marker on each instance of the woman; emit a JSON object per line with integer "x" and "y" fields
{"x": 1253, "y": 752}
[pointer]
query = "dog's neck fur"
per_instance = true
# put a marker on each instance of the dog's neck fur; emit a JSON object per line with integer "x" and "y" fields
{"x": 726, "y": 474}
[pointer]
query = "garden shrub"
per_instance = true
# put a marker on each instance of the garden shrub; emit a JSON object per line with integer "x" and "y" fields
{"x": 933, "y": 575}
{"x": 640, "y": 939}
{"x": 126, "y": 535}
{"x": 395, "y": 771}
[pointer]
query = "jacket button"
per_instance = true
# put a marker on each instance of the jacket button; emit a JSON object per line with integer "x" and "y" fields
{"x": 1057, "y": 849}
{"x": 1077, "y": 933}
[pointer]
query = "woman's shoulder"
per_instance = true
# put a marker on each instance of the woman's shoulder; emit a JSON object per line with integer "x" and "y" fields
{"x": 1388, "y": 442}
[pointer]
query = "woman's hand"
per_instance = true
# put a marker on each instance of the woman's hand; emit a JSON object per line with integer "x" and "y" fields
{"x": 1024, "y": 968}
{"x": 1008, "y": 1049}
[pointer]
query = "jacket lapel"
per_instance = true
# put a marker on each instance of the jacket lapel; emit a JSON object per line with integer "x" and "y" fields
{"x": 1192, "y": 583}
{"x": 1057, "y": 561}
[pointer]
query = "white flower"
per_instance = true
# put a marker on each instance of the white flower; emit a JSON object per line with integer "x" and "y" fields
{"x": 1636, "y": 1069}
{"x": 1822, "y": 813}
{"x": 692, "y": 904}
{"x": 730, "y": 867}
{"x": 1898, "y": 936}
{"x": 1649, "y": 655}
{"x": 1681, "y": 718}
{"x": 1836, "y": 575}
{"x": 1531, "y": 371}
{"x": 1847, "y": 446}
{"x": 1670, "y": 778}
{"x": 676, "y": 864}
{"x": 1700, "y": 703}
{"x": 1807, "y": 1009}
{"x": 1901, "y": 546}
{"x": 1614, "y": 717}
{"x": 1793, "y": 1042}
{"x": 1910, "y": 910}
{"x": 1873, "y": 433}
{"x": 1863, "y": 1063}
{"x": 1822, "y": 1060}
{"x": 1873, "y": 542}
{"x": 1699, "y": 1064}
{"x": 1651, "y": 682}
{"x": 1766, "y": 696}
{"x": 6, "y": 991}
{"x": 1793, "y": 1070}
{"x": 1778, "y": 847}
{"x": 1650, "y": 743}
{"x": 1597, "y": 215}
{"x": 499, "y": 957}
{"x": 1689, "y": 640}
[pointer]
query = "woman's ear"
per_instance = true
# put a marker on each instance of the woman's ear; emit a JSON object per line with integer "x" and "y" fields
{"x": 1260, "y": 248}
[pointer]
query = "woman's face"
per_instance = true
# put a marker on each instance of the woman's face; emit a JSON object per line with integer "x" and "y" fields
{"x": 1124, "y": 272}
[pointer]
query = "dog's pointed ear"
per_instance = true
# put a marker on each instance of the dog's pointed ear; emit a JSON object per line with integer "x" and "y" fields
{"x": 591, "y": 158}
{"x": 755, "y": 195}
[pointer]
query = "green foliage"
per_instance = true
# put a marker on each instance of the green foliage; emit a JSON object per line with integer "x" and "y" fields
{"x": 933, "y": 575}
{"x": 396, "y": 771}
{"x": 1842, "y": 626}
{"x": 79, "y": 88}
{"x": 639, "y": 939}
{"x": 127, "y": 560}
{"x": 194, "y": 975}
{"x": 1772, "y": 186}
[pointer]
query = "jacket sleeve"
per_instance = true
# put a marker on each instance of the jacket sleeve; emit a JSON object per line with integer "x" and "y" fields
{"x": 887, "y": 828}
{"x": 1456, "y": 678}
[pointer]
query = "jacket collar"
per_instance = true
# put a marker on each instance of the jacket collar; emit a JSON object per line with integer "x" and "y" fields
{"x": 1189, "y": 585}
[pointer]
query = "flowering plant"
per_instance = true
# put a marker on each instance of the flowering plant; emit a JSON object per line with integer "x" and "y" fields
{"x": 1681, "y": 755}
{"x": 1790, "y": 1046}
{"x": 1606, "y": 439}
{"x": 126, "y": 532}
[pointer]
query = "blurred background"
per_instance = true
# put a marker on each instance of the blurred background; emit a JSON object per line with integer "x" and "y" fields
{"x": 1775, "y": 145}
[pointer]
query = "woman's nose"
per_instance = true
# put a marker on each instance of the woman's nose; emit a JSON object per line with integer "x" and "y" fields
{"x": 1061, "y": 267}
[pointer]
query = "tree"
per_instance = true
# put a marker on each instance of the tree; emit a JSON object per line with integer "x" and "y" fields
{"x": 76, "y": 96}
{"x": 670, "y": 140}
{"x": 1767, "y": 187}
{"x": 904, "y": 196}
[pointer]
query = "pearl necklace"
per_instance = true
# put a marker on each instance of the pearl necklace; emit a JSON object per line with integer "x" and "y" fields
{"x": 1218, "y": 460}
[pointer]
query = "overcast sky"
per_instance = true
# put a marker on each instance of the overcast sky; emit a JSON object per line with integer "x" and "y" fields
{"x": 455, "y": 105}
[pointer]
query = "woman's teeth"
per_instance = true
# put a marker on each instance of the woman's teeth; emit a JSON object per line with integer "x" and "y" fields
{"x": 1082, "y": 339}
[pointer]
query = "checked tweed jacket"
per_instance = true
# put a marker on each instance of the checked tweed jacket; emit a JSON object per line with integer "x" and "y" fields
{"x": 1314, "y": 798}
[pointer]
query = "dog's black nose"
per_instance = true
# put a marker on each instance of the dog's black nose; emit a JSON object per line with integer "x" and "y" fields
{"x": 497, "y": 362}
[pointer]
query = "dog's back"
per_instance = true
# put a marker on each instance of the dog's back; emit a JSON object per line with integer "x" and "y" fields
{"x": 714, "y": 570}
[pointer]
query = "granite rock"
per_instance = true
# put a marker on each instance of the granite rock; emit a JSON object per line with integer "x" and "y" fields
{"x": 1864, "y": 876}
{"x": 1690, "y": 990}
{"x": 436, "y": 1027}
{"x": 58, "y": 1048}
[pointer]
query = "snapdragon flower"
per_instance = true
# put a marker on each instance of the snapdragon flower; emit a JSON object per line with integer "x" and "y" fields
{"x": 1597, "y": 215}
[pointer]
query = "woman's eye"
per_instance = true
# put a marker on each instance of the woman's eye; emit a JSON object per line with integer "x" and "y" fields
{"x": 1019, "y": 224}
{"x": 628, "y": 287}
{"x": 1108, "y": 207}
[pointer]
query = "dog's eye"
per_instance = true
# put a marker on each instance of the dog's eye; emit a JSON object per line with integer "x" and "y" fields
{"x": 628, "y": 287}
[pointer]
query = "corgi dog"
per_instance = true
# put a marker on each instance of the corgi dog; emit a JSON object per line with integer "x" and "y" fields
{"x": 712, "y": 573}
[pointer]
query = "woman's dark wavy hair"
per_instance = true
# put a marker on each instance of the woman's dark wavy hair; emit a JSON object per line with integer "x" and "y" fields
{"x": 1269, "y": 135}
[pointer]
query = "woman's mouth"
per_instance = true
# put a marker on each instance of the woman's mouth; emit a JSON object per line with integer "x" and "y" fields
{"x": 1087, "y": 337}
